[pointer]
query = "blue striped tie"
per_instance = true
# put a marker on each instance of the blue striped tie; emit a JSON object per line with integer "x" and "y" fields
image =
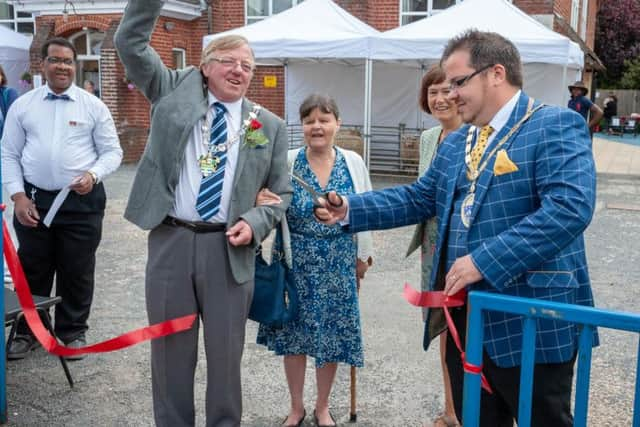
{"x": 208, "y": 202}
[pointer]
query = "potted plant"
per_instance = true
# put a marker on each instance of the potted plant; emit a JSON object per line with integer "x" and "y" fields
{"x": 26, "y": 80}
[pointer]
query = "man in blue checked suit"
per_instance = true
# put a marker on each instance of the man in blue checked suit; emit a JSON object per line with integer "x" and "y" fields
{"x": 513, "y": 192}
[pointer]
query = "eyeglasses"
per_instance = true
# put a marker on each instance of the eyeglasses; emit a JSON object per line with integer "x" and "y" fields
{"x": 54, "y": 60}
{"x": 460, "y": 82}
{"x": 246, "y": 66}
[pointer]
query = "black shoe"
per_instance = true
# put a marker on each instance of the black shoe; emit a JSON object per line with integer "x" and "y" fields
{"x": 315, "y": 419}
{"x": 81, "y": 341}
{"x": 21, "y": 346}
{"x": 298, "y": 424}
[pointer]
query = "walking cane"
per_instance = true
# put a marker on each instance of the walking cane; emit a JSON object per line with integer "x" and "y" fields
{"x": 353, "y": 416}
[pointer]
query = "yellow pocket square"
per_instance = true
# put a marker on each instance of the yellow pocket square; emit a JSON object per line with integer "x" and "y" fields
{"x": 503, "y": 164}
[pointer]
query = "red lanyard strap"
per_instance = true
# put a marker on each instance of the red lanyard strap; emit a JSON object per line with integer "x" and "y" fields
{"x": 437, "y": 299}
{"x": 49, "y": 342}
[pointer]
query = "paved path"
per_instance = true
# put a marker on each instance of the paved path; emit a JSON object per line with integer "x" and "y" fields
{"x": 400, "y": 384}
{"x": 616, "y": 158}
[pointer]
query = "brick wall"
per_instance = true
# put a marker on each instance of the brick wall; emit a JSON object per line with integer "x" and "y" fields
{"x": 269, "y": 97}
{"x": 535, "y": 7}
{"x": 131, "y": 110}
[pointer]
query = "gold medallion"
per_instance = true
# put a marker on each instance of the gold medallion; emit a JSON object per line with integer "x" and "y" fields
{"x": 208, "y": 164}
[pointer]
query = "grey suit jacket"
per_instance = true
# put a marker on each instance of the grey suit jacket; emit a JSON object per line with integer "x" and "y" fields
{"x": 179, "y": 100}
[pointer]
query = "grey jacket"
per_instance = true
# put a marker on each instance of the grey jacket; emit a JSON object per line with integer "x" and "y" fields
{"x": 179, "y": 100}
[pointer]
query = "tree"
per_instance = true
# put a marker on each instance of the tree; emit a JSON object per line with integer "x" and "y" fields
{"x": 631, "y": 76}
{"x": 617, "y": 36}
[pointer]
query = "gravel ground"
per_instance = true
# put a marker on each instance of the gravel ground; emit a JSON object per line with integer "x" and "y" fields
{"x": 400, "y": 384}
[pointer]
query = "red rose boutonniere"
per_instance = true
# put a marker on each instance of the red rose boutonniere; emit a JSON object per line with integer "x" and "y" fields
{"x": 253, "y": 136}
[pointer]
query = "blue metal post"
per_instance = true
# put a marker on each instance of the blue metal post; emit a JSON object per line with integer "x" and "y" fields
{"x": 583, "y": 373}
{"x": 527, "y": 364}
{"x": 473, "y": 348}
{"x": 588, "y": 317}
{"x": 636, "y": 399}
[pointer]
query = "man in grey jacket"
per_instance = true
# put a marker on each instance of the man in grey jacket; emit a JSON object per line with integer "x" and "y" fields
{"x": 209, "y": 152}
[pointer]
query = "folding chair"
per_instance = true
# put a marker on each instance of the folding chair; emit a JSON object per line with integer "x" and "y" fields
{"x": 616, "y": 127}
{"x": 13, "y": 313}
{"x": 630, "y": 126}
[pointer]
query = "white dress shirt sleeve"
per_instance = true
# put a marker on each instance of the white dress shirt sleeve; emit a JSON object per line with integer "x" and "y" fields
{"x": 13, "y": 140}
{"x": 107, "y": 144}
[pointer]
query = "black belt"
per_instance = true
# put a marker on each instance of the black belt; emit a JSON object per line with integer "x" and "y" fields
{"x": 195, "y": 226}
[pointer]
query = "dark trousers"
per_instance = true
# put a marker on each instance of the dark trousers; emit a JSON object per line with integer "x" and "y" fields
{"x": 68, "y": 251}
{"x": 551, "y": 400}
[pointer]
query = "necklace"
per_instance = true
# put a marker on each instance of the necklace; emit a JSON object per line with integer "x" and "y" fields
{"x": 210, "y": 161}
{"x": 467, "y": 203}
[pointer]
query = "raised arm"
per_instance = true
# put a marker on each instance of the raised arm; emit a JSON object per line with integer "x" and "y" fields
{"x": 142, "y": 63}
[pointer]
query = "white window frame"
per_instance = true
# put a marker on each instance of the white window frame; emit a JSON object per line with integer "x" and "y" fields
{"x": 429, "y": 12}
{"x": 583, "y": 21}
{"x": 183, "y": 57}
{"x": 575, "y": 14}
{"x": 87, "y": 56}
{"x": 255, "y": 18}
{"x": 18, "y": 20}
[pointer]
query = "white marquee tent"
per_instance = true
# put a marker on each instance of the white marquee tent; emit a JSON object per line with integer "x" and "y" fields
{"x": 14, "y": 55}
{"x": 324, "y": 48}
{"x": 375, "y": 77}
{"x": 551, "y": 60}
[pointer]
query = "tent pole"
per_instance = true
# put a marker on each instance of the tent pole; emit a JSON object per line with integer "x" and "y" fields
{"x": 419, "y": 123}
{"x": 564, "y": 84}
{"x": 286, "y": 93}
{"x": 368, "y": 65}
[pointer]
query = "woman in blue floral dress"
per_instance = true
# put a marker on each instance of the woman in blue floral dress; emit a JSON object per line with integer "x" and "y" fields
{"x": 326, "y": 264}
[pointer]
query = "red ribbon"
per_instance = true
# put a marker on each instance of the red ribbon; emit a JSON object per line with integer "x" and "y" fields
{"x": 49, "y": 342}
{"x": 437, "y": 299}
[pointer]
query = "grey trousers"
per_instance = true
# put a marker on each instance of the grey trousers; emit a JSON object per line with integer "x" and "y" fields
{"x": 189, "y": 272}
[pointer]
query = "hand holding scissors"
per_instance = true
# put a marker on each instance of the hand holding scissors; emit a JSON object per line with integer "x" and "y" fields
{"x": 328, "y": 207}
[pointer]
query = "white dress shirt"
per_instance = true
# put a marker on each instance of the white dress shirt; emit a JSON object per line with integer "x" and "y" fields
{"x": 184, "y": 206}
{"x": 49, "y": 142}
{"x": 501, "y": 117}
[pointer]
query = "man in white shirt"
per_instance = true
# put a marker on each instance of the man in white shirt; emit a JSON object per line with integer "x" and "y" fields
{"x": 58, "y": 136}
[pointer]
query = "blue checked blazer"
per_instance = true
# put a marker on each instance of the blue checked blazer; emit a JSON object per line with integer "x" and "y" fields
{"x": 526, "y": 236}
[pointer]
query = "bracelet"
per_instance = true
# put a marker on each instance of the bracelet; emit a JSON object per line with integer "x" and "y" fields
{"x": 94, "y": 176}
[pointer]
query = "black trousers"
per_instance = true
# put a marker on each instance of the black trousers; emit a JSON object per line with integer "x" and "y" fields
{"x": 68, "y": 251}
{"x": 551, "y": 399}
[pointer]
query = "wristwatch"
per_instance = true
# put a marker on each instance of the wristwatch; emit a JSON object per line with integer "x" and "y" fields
{"x": 94, "y": 176}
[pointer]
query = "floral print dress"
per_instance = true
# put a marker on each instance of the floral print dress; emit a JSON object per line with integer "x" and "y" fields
{"x": 324, "y": 260}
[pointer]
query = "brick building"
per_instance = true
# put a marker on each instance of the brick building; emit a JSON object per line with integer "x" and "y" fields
{"x": 91, "y": 24}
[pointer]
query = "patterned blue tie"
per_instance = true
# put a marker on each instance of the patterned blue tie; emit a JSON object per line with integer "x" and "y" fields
{"x": 53, "y": 97}
{"x": 208, "y": 202}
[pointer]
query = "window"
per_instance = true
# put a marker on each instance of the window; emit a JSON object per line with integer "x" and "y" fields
{"x": 88, "y": 44}
{"x": 179, "y": 58}
{"x": 21, "y": 22}
{"x": 414, "y": 10}
{"x": 260, "y": 9}
{"x": 583, "y": 21}
{"x": 575, "y": 9}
